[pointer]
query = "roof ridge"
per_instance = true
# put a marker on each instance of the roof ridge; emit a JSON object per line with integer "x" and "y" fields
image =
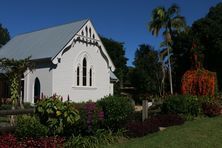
{"x": 49, "y": 27}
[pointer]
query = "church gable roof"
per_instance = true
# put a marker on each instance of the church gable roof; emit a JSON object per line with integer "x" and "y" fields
{"x": 41, "y": 44}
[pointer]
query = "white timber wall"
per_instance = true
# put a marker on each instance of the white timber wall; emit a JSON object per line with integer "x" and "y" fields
{"x": 45, "y": 77}
{"x": 65, "y": 74}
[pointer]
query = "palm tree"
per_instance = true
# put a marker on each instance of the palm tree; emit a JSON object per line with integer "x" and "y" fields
{"x": 170, "y": 21}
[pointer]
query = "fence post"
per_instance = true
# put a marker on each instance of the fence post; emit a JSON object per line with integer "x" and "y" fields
{"x": 145, "y": 110}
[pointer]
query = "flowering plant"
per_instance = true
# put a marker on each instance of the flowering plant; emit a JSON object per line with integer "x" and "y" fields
{"x": 10, "y": 141}
{"x": 91, "y": 118}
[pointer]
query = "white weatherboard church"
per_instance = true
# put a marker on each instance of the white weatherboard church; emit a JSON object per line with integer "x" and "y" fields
{"x": 70, "y": 60}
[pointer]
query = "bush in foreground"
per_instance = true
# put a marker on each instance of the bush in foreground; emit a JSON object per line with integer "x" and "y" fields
{"x": 56, "y": 115}
{"x": 181, "y": 104}
{"x": 116, "y": 111}
{"x": 30, "y": 126}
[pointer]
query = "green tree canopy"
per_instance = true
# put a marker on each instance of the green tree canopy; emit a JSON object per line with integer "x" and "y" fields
{"x": 146, "y": 75}
{"x": 208, "y": 31}
{"x": 4, "y": 36}
{"x": 181, "y": 58}
{"x": 116, "y": 52}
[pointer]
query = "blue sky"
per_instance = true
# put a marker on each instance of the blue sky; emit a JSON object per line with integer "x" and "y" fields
{"x": 122, "y": 20}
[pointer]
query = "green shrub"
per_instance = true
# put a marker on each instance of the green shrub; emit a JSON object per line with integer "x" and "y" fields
{"x": 116, "y": 111}
{"x": 56, "y": 114}
{"x": 101, "y": 137}
{"x": 180, "y": 104}
{"x": 29, "y": 126}
{"x": 5, "y": 107}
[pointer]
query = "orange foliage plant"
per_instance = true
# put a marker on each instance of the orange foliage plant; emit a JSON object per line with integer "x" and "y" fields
{"x": 197, "y": 80}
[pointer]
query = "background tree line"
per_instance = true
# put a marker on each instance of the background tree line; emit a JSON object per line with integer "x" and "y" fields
{"x": 146, "y": 74}
{"x": 4, "y": 35}
{"x": 207, "y": 32}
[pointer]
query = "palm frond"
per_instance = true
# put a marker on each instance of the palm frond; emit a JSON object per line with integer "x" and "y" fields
{"x": 157, "y": 22}
{"x": 173, "y": 10}
{"x": 178, "y": 22}
{"x": 158, "y": 12}
{"x": 154, "y": 27}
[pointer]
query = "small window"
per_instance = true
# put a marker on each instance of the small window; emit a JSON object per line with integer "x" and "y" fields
{"x": 84, "y": 70}
{"x": 90, "y": 32}
{"x": 86, "y": 31}
{"x": 90, "y": 77}
{"x": 77, "y": 76}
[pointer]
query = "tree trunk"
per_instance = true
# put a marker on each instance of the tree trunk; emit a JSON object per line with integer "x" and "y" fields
{"x": 163, "y": 80}
{"x": 170, "y": 73}
{"x": 169, "y": 42}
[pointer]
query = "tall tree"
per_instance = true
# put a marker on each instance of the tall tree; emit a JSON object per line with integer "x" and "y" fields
{"x": 117, "y": 54}
{"x": 146, "y": 76}
{"x": 208, "y": 31}
{"x": 170, "y": 21}
{"x": 4, "y": 36}
{"x": 181, "y": 56}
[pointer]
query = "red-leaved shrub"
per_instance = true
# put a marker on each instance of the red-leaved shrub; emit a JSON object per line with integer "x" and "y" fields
{"x": 139, "y": 129}
{"x": 10, "y": 141}
{"x": 91, "y": 119}
{"x": 166, "y": 120}
{"x": 7, "y": 141}
{"x": 211, "y": 109}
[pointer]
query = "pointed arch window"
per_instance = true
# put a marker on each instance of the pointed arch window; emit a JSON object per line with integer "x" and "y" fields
{"x": 90, "y": 77}
{"x": 84, "y": 72}
{"x": 78, "y": 78}
{"x": 37, "y": 90}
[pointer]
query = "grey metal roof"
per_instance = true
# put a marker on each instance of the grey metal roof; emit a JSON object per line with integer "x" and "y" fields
{"x": 41, "y": 44}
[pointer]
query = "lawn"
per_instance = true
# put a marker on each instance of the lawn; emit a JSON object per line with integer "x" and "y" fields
{"x": 204, "y": 133}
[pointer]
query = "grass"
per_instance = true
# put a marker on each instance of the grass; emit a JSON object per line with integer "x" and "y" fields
{"x": 204, "y": 133}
